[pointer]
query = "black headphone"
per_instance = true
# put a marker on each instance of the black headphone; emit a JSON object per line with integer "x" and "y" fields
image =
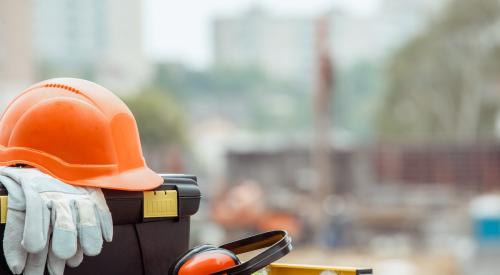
{"x": 210, "y": 259}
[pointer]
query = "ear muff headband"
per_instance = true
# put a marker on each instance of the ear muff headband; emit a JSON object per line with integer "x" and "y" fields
{"x": 278, "y": 244}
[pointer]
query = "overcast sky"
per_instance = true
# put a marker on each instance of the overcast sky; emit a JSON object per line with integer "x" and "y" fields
{"x": 181, "y": 30}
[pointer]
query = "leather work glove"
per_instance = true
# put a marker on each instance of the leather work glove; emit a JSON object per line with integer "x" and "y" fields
{"x": 61, "y": 222}
{"x": 17, "y": 258}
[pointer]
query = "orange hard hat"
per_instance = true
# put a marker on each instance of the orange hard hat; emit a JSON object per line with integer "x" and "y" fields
{"x": 78, "y": 132}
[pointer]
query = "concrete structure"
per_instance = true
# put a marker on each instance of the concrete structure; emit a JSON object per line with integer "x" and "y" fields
{"x": 472, "y": 168}
{"x": 372, "y": 37}
{"x": 16, "y": 54}
{"x": 96, "y": 39}
{"x": 282, "y": 47}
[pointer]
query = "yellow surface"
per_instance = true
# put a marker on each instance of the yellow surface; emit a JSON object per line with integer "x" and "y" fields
{"x": 288, "y": 269}
{"x": 160, "y": 204}
{"x": 386, "y": 263}
{"x": 3, "y": 209}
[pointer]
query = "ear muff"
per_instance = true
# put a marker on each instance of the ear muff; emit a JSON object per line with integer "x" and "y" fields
{"x": 209, "y": 259}
{"x": 204, "y": 259}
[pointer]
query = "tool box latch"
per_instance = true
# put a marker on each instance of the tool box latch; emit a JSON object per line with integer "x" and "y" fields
{"x": 3, "y": 209}
{"x": 160, "y": 204}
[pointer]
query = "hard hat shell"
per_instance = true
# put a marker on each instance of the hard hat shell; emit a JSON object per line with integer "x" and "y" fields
{"x": 78, "y": 132}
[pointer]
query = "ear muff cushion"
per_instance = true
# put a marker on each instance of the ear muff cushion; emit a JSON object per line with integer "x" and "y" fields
{"x": 228, "y": 253}
{"x": 190, "y": 253}
{"x": 199, "y": 250}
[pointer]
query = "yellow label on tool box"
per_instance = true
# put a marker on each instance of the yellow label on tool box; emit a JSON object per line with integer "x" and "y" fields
{"x": 3, "y": 209}
{"x": 160, "y": 204}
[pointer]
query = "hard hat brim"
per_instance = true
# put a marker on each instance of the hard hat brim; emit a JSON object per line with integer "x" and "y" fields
{"x": 139, "y": 179}
{"x": 99, "y": 176}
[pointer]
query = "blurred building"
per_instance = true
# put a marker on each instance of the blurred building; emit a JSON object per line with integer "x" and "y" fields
{"x": 16, "y": 53}
{"x": 463, "y": 168}
{"x": 416, "y": 196}
{"x": 96, "y": 39}
{"x": 473, "y": 167}
{"x": 287, "y": 168}
{"x": 372, "y": 37}
{"x": 282, "y": 47}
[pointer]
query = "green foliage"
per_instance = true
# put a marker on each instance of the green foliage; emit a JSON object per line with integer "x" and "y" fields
{"x": 160, "y": 119}
{"x": 355, "y": 99}
{"x": 442, "y": 85}
{"x": 245, "y": 95}
{"x": 46, "y": 69}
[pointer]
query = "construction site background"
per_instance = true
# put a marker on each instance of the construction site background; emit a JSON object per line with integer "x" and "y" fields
{"x": 368, "y": 129}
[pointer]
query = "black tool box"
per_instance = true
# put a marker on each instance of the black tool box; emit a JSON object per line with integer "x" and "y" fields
{"x": 151, "y": 229}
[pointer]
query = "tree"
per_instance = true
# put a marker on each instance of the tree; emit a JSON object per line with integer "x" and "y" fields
{"x": 444, "y": 83}
{"x": 243, "y": 95}
{"x": 356, "y": 99}
{"x": 159, "y": 118}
